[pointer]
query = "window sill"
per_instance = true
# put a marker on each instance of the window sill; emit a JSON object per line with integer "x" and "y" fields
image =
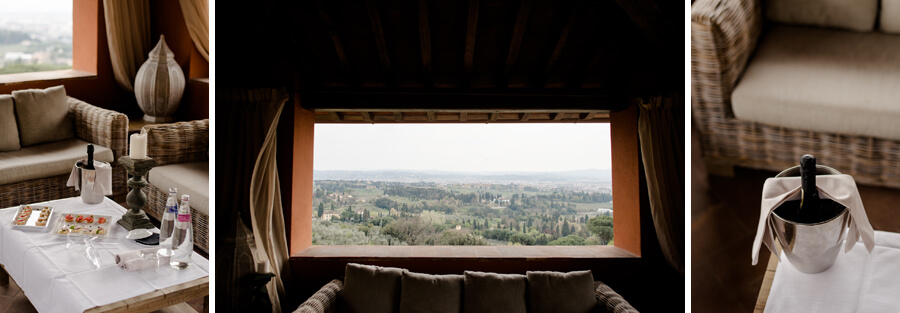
{"x": 22, "y": 78}
{"x": 204, "y": 80}
{"x": 493, "y": 253}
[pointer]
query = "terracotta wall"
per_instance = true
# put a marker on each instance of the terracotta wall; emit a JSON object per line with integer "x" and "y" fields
{"x": 91, "y": 53}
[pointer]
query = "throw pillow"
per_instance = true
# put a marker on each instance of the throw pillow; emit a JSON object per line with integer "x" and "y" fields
{"x": 890, "y": 16}
{"x": 490, "y": 292}
{"x": 371, "y": 289}
{"x": 561, "y": 292}
{"x": 43, "y": 115}
{"x": 9, "y": 134}
{"x": 431, "y": 293}
{"x": 856, "y": 15}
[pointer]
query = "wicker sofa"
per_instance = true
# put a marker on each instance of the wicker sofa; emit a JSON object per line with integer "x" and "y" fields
{"x": 770, "y": 84}
{"x": 104, "y": 128}
{"x": 405, "y": 291}
{"x": 182, "y": 152}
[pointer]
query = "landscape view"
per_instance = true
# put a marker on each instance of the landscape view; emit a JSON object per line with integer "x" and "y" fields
{"x": 35, "y": 36}
{"x": 455, "y": 207}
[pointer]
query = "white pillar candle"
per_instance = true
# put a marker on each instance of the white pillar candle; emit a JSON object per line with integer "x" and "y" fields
{"x": 138, "y": 146}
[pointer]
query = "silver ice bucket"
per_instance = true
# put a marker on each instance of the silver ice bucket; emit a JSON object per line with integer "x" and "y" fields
{"x": 86, "y": 184}
{"x": 811, "y": 247}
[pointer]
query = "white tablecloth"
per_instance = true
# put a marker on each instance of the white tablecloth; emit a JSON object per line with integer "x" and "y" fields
{"x": 56, "y": 279}
{"x": 857, "y": 282}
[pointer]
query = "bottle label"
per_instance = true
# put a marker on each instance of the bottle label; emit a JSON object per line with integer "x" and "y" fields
{"x": 184, "y": 217}
{"x": 172, "y": 209}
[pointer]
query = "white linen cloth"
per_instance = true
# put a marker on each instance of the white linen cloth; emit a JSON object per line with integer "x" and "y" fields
{"x": 132, "y": 261}
{"x": 840, "y": 188}
{"x": 857, "y": 282}
{"x": 103, "y": 182}
{"x": 57, "y": 279}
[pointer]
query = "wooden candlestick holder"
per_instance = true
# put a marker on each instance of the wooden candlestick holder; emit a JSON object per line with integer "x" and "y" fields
{"x": 135, "y": 218}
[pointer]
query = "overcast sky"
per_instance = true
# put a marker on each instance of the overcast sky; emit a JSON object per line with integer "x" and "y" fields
{"x": 19, "y": 6}
{"x": 462, "y": 147}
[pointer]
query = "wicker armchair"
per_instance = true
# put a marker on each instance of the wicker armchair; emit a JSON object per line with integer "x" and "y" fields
{"x": 325, "y": 300}
{"x": 724, "y": 34}
{"x": 92, "y": 124}
{"x": 181, "y": 142}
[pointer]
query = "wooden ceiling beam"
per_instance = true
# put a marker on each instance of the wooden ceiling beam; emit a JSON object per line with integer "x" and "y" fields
{"x": 366, "y": 116}
{"x": 398, "y": 116}
{"x": 471, "y": 31}
{"x": 556, "y": 116}
{"x": 587, "y": 116}
{"x": 525, "y": 117}
{"x": 336, "y": 116}
{"x": 560, "y": 44}
{"x": 488, "y": 100}
{"x": 516, "y": 42}
{"x": 494, "y": 116}
{"x": 430, "y": 115}
{"x": 425, "y": 43}
{"x": 648, "y": 17}
{"x": 463, "y": 116}
{"x": 380, "y": 44}
{"x": 338, "y": 47}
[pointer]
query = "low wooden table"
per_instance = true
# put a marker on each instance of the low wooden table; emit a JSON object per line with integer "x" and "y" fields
{"x": 766, "y": 284}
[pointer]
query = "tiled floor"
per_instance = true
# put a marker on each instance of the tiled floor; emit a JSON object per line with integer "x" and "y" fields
{"x": 724, "y": 212}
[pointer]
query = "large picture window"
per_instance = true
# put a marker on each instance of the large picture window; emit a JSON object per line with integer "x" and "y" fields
{"x": 35, "y": 36}
{"x": 462, "y": 184}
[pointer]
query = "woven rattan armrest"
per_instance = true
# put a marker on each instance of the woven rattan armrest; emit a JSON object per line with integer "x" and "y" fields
{"x": 724, "y": 34}
{"x": 181, "y": 142}
{"x": 324, "y": 300}
{"x": 99, "y": 126}
{"x": 610, "y": 301}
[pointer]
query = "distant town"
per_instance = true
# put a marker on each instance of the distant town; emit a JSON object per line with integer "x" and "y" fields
{"x": 33, "y": 42}
{"x": 459, "y": 211}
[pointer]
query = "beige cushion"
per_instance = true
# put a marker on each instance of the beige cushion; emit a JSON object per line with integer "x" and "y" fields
{"x": 426, "y": 293}
{"x": 824, "y": 81}
{"x": 857, "y": 15}
{"x": 190, "y": 179}
{"x": 9, "y": 133}
{"x": 47, "y": 160}
{"x": 890, "y": 16}
{"x": 371, "y": 289}
{"x": 561, "y": 292}
{"x": 43, "y": 115}
{"x": 490, "y": 292}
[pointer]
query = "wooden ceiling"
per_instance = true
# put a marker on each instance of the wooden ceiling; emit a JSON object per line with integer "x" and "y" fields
{"x": 366, "y": 61}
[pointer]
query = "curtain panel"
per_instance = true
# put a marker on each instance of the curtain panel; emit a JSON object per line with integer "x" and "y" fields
{"x": 128, "y": 36}
{"x": 249, "y": 195}
{"x": 661, "y": 131}
{"x": 196, "y": 16}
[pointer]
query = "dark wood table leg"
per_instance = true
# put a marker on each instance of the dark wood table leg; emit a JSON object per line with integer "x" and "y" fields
{"x": 4, "y": 276}
{"x": 206, "y": 304}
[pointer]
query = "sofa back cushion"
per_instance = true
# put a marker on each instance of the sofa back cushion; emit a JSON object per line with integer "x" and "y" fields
{"x": 43, "y": 115}
{"x": 856, "y": 15}
{"x": 426, "y": 293}
{"x": 490, "y": 292}
{"x": 370, "y": 289}
{"x": 890, "y": 16}
{"x": 9, "y": 133}
{"x": 561, "y": 292}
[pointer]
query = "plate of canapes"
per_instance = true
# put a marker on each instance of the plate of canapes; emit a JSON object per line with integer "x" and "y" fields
{"x": 33, "y": 217}
{"x": 88, "y": 224}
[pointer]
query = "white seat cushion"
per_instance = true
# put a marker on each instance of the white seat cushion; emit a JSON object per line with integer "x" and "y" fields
{"x": 47, "y": 160}
{"x": 890, "y": 16}
{"x": 857, "y": 15}
{"x": 824, "y": 81}
{"x": 190, "y": 178}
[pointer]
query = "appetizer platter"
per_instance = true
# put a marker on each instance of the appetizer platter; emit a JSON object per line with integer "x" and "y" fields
{"x": 32, "y": 217}
{"x": 88, "y": 224}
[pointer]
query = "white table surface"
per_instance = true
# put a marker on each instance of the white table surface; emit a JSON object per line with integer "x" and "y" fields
{"x": 857, "y": 282}
{"x": 56, "y": 279}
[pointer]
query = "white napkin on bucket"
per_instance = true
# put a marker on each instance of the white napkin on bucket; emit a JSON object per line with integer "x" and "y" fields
{"x": 132, "y": 261}
{"x": 840, "y": 188}
{"x": 103, "y": 182}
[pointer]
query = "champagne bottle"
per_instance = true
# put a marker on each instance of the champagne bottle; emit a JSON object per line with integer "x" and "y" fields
{"x": 810, "y": 197}
{"x": 90, "y": 161}
{"x": 182, "y": 236}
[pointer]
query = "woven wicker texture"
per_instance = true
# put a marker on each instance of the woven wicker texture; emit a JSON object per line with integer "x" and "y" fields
{"x": 174, "y": 143}
{"x": 324, "y": 300}
{"x": 611, "y": 301}
{"x": 92, "y": 124}
{"x": 724, "y": 34}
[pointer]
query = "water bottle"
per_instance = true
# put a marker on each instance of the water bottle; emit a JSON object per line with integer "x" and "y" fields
{"x": 182, "y": 236}
{"x": 168, "y": 223}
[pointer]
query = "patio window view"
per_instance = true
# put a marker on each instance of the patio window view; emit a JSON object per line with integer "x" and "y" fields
{"x": 35, "y": 36}
{"x": 474, "y": 184}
